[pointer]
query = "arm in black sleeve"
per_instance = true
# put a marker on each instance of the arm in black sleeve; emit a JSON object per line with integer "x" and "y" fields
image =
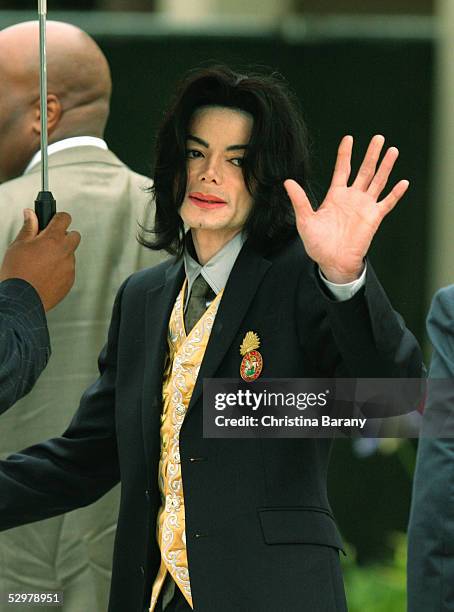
{"x": 362, "y": 337}
{"x": 79, "y": 467}
{"x": 24, "y": 340}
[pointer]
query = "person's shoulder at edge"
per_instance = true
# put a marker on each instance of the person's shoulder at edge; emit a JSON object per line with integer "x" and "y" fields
{"x": 441, "y": 313}
{"x": 444, "y": 299}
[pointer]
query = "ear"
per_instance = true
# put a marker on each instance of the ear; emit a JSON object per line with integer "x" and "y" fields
{"x": 54, "y": 113}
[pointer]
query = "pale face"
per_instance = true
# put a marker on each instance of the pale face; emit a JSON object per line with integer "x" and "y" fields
{"x": 217, "y": 202}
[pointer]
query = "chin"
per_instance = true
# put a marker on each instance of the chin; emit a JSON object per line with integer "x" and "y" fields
{"x": 204, "y": 225}
{"x": 204, "y": 220}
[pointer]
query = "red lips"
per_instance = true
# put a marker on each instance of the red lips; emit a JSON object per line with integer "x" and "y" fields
{"x": 206, "y": 197}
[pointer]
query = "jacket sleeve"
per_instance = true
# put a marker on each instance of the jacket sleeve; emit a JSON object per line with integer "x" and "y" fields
{"x": 79, "y": 467}
{"x": 431, "y": 527}
{"x": 362, "y": 337}
{"x": 24, "y": 340}
{"x": 357, "y": 340}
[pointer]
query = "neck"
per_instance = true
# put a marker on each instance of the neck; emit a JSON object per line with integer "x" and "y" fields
{"x": 208, "y": 242}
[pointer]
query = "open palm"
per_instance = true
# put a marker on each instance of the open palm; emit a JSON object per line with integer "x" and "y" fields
{"x": 338, "y": 234}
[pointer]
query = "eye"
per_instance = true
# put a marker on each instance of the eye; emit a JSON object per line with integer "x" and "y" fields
{"x": 237, "y": 161}
{"x": 193, "y": 154}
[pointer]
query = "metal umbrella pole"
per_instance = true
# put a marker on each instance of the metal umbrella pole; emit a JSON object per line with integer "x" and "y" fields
{"x": 45, "y": 205}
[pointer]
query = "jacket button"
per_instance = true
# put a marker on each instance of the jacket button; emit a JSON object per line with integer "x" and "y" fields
{"x": 199, "y": 535}
{"x": 196, "y": 459}
{"x": 147, "y": 494}
{"x": 142, "y": 570}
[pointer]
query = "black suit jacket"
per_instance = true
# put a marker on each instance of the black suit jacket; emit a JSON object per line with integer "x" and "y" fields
{"x": 24, "y": 340}
{"x": 260, "y": 532}
{"x": 431, "y": 527}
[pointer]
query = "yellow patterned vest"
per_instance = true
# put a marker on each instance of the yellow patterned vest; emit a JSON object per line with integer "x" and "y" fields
{"x": 185, "y": 357}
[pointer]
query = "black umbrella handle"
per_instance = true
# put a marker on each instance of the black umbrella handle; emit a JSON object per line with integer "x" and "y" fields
{"x": 45, "y": 208}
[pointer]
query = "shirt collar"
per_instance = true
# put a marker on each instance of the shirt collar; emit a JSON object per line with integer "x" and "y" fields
{"x": 217, "y": 270}
{"x": 67, "y": 143}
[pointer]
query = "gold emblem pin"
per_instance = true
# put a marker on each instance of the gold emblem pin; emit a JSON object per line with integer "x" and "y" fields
{"x": 252, "y": 362}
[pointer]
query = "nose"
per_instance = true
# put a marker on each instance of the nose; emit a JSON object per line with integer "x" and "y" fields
{"x": 211, "y": 171}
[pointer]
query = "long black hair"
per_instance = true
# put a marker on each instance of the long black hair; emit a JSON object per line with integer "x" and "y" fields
{"x": 277, "y": 150}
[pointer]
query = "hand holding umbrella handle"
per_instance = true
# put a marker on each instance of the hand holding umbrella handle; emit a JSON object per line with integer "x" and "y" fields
{"x": 45, "y": 208}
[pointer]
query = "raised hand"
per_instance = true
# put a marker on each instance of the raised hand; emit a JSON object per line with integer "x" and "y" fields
{"x": 337, "y": 236}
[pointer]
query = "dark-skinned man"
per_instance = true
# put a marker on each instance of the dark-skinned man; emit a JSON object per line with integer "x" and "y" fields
{"x": 105, "y": 199}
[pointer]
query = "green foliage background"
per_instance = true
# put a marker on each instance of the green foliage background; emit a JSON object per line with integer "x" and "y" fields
{"x": 377, "y": 587}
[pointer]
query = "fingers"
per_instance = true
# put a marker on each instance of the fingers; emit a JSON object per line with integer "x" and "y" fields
{"x": 368, "y": 178}
{"x": 388, "y": 203}
{"x": 342, "y": 168}
{"x": 366, "y": 171}
{"x": 30, "y": 228}
{"x": 381, "y": 177}
{"x": 58, "y": 224}
{"x": 299, "y": 199}
{"x": 57, "y": 229}
{"x": 73, "y": 240}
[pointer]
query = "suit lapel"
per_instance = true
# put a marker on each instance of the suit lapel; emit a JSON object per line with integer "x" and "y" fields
{"x": 159, "y": 304}
{"x": 242, "y": 285}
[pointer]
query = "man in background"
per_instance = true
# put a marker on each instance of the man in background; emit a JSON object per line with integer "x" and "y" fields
{"x": 431, "y": 526}
{"x": 105, "y": 199}
{"x": 36, "y": 273}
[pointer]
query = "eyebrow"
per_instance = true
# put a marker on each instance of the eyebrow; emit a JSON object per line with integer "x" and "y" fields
{"x": 235, "y": 147}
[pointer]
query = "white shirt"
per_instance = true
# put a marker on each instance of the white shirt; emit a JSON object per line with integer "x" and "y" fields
{"x": 346, "y": 290}
{"x": 68, "y": 143}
